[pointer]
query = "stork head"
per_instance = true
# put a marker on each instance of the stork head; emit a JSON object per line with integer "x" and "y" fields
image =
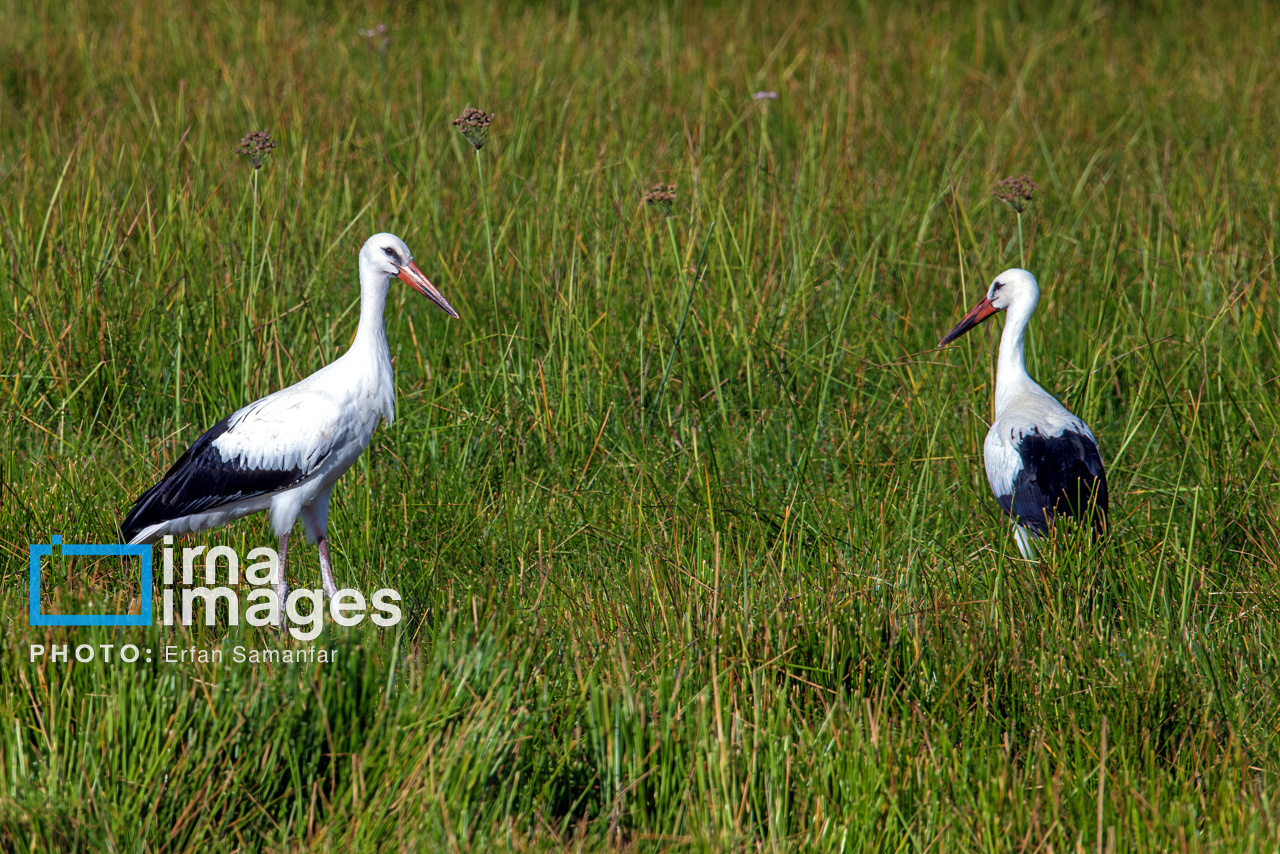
{"x": 1012, "y": 288}
{"x": 387, "y": 254}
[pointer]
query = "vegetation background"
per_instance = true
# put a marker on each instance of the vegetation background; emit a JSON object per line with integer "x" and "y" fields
{"x": 764, "y": 601}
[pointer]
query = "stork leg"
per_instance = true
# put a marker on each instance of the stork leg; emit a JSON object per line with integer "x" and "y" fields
{"x": 326, "y": 571}
{"x": 1023, "y": 540}
{"x": 315, "y": 519}
{"x": 282, "y": 581}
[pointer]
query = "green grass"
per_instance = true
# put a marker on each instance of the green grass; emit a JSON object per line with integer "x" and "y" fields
{"x": 767, "y": 605}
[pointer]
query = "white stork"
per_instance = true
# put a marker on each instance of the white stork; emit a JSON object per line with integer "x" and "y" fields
{"x": 284, "y": 453}
{"x": 1041, "y": 460}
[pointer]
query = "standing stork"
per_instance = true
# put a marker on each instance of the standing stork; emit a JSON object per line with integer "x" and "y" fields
{"x": 285, "y": 452}
{"x": 1041, "y": 460}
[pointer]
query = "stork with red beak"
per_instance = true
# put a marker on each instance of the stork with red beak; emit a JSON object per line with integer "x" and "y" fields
{"x": 284, "y": 453}
{"x": 1041, "y": 460}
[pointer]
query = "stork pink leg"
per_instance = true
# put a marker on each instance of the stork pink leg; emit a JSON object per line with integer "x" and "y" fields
{"x": 326, "y": 571}
{"x": 282, "y": 581}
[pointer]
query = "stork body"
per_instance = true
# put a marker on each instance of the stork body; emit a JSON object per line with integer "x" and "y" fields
{"x": 285, "y": 452}
{"x": 1041, "y": 460}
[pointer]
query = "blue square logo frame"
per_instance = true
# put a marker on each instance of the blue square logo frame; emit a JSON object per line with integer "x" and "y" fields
{"x": 39, "y": 550}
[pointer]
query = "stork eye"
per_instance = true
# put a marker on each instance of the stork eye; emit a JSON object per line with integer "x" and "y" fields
{"x": 391, "y": 253}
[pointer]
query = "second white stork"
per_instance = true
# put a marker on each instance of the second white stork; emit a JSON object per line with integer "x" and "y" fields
{"x": 285, "y": 452}
{"x": 1041, "y": 460}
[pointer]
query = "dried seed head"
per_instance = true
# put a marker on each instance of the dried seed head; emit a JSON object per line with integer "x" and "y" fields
{"x": 474, "y": 125}
{"x": 765, "y": 96}
{"x": 256, "y": 146}
{"x": 661, "y": 196}
{"x": 1016, "y": 192}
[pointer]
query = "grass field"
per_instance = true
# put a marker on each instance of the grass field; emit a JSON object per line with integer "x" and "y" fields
{"x": 763, "y": 601}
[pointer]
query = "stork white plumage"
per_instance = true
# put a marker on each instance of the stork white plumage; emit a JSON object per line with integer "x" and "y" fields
{"x": 1041, "y": 460}
{"x": 285, "y": 452}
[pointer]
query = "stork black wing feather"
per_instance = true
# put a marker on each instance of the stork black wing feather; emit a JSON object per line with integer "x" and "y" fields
{"x": 201, "y": 480}
{"x": 1060, "y": 475}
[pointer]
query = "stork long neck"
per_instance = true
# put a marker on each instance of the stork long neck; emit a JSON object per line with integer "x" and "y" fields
{"x": 371, "y": 335}
{"x": 1012, "y": 379}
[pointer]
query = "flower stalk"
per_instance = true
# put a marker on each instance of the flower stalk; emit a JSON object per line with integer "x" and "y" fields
{"x": 1017, "y": 193}
{"x": 474, "y": 124}
{"x": 257, "y": 147}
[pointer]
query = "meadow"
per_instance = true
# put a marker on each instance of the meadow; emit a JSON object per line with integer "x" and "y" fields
{"x": 687, "y": 512}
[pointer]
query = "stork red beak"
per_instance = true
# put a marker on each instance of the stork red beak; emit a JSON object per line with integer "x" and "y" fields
{"x": 412, "y": 276}
{"x": 976, "y": 315}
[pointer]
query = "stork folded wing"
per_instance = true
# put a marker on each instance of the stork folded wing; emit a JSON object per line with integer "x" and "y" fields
{"x": 1060, "y": 475}
{"x": 256, "y": 451}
